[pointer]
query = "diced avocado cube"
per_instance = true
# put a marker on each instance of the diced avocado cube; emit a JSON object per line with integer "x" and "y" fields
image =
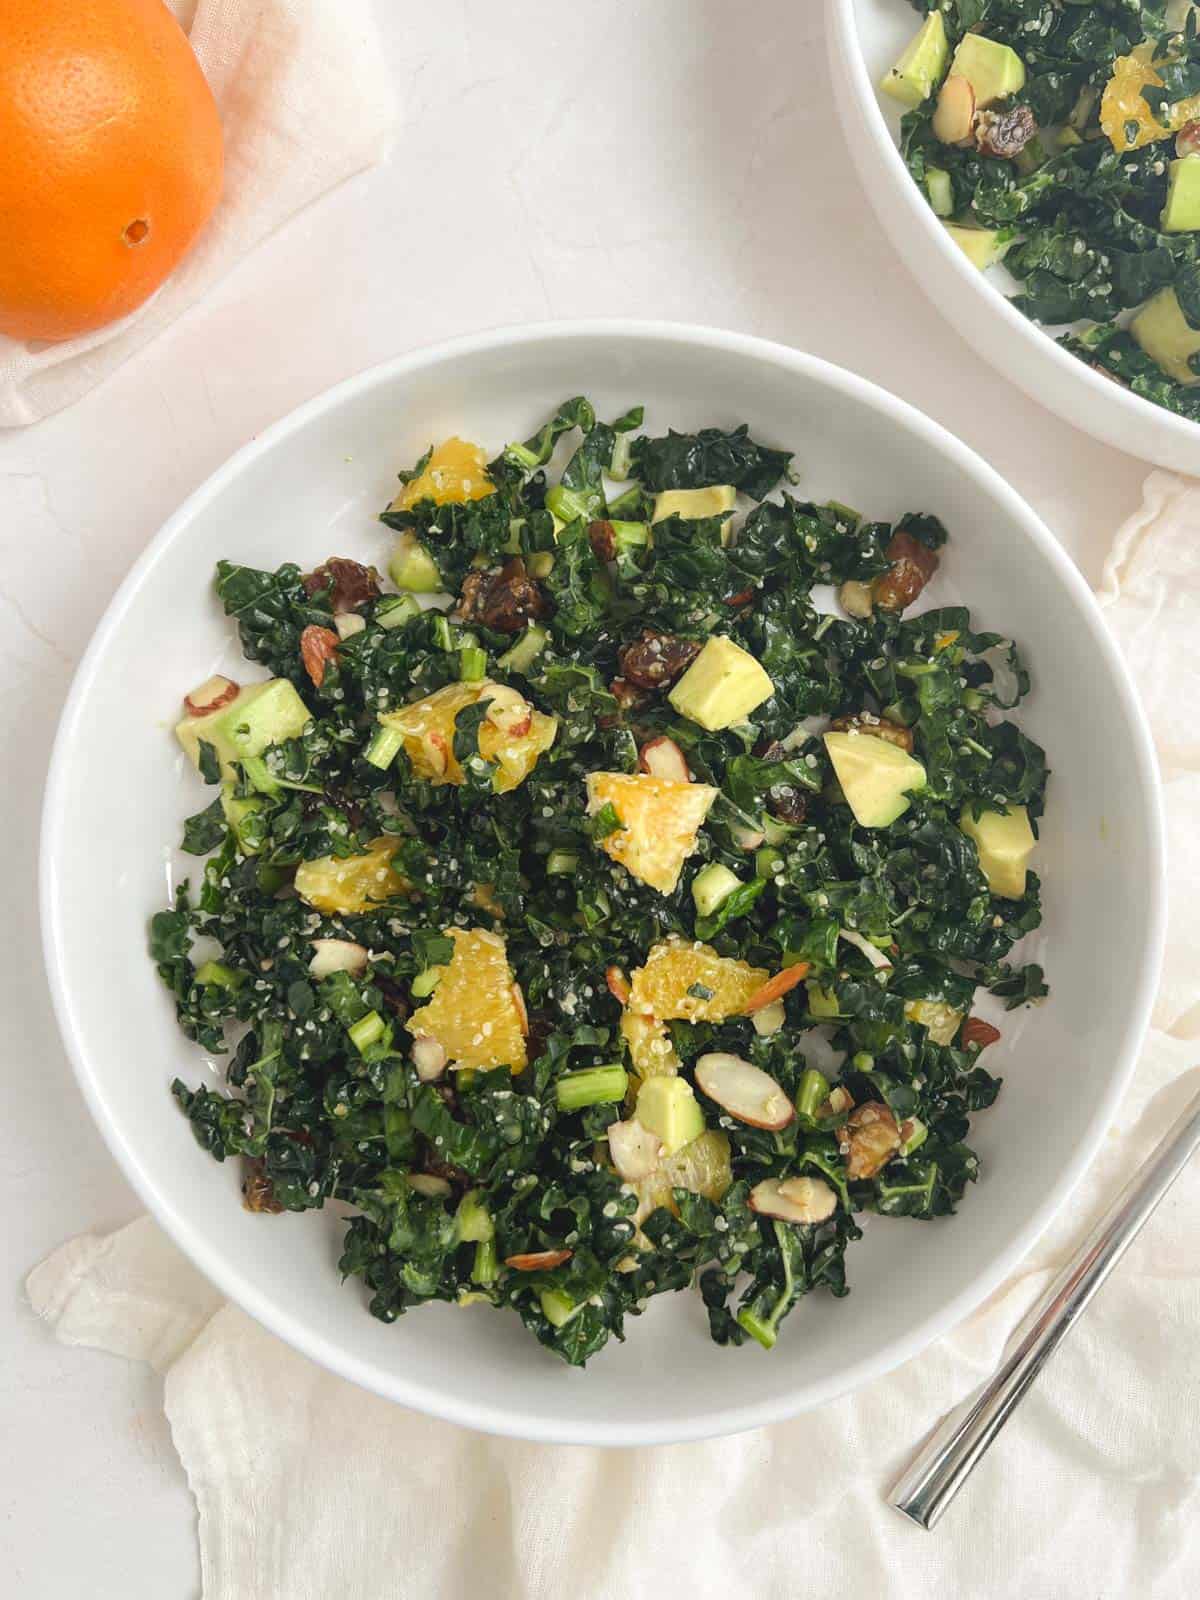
{"x": 921, "y": 64}
{"x": 667, "y": 1106}
{"x": 696, "y": 503}
{"x": 260, "y": 715}
{"x": 877, "y": 778}
{"x": 1181, "y": 214}
{"x": 983, "y": 247}
{"x": 940, "y": 187}
{"x": 994, "y": 70}
{"x": 722, "y": 686}
{"x": 413, "y": 568}
{"x": 1167, "y": 337}
{"x": 712, "y": 885}
{"x": 1005, "y": 842}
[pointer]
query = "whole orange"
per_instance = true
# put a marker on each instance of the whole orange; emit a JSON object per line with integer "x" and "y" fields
{"x": 110, "y": 160}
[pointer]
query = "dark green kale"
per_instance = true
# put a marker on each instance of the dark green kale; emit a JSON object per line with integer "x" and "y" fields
{"x": 1080, "y": 219}
{"x": 480, "y": 1184}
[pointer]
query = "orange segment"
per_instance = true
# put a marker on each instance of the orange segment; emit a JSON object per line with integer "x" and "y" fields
{"x": 702, "y": 1167}
{"x": 455, "y": 472}
{"x": 660, "y": 818}
{"x": 346, "y": 886}
{"x": 474, "y": 1014}
{"x": 677, "y": 973}
{"x": 427, "y": 728}
{"x": 1123, "y": 111}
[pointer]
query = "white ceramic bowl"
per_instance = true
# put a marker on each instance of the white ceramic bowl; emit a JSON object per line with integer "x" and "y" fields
{"x": 865, "y": 37}
{"x": 310, "y": 487}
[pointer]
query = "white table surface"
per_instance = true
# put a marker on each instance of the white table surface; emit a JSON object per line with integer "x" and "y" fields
{"x": 669, "y": 158}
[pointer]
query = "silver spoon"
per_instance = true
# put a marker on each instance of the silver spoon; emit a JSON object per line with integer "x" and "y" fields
{"x": 959, "y": 1441}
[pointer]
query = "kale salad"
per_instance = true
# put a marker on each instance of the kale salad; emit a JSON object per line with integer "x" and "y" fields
{"x": 1064, "y": 139}
{"x": 601, "y": 908}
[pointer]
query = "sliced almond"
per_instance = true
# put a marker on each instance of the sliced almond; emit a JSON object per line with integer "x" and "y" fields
{"x": 662, "y": 758}
{"x": 744, "y": 1090}
{"x": 747, "y": 838}
{"x": 537, "y": 1260}
{"x": 348, "y": 623}
{"x": 428, "y": 1057}
{"x": 955, "y": 114}
{"x": 509, "y": 710}
{"x": 618, "y": 985}
{"x": 634, "y": 1149}
{"x": 430, "y": 1185}
{"x": 522, "y": 1009}
{"x": 210, "y": 696}
{"x": 802, "y": 1200}
{"x": 336, "y": 955}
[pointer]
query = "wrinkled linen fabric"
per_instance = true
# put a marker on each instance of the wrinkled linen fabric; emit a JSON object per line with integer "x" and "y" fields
{"x": 305, "y": 102}
{"x": 308, "y": 1487}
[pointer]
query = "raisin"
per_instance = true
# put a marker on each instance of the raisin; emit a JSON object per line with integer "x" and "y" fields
{"x": 350, "y": 583}
{"x": 1004, "y": 134}
{"x": 258, "y": 1192}
{"x": 656, "y": 659}
{"x": 505, "y": 601}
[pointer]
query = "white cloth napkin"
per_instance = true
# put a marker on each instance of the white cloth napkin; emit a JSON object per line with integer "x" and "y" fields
{"x": 305, "y": 102}
{"x": 307, "y": 1487}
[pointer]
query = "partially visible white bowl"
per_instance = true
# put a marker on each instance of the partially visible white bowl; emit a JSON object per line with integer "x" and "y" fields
{"x": 310, "y": 487}
{"x": 865, "y": 37}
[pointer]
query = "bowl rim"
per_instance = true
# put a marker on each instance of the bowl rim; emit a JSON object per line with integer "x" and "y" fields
{"x": 1134, "y": 409}
{"x": 496, "y": 1418}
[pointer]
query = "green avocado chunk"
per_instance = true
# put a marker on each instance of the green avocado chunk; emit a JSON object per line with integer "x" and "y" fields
{"x": 983, "y": 247}
{"x": 413, "y": 568}
{"x": 1181, "y": 214}
{"x": 723, "y": 685}
{"x": 994, "y": 70}
{"x": 1005, "y": 842}
{"x": 260, "y": 715}
{"x": 876, "y": 777}
{"x": 1167, "y": 337}
{"x": 668, "y": 1107}
{"x": 921, "y": 64}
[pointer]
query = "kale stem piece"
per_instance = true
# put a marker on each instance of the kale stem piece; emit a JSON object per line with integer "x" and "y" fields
{"x": 592, "y": 1087}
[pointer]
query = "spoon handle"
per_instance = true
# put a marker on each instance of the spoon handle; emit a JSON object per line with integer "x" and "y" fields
{"x": 959, "y": 1441}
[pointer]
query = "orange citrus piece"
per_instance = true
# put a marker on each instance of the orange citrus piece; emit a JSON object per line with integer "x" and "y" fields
{"x": 427, "y": 727}
{"x": 702, "y": 1167}
{"x": 455, "y": 472}
{"x": 678, "y": 971}
{"x": 473, "y": 1013}
{"x": 660, "y": 817}
{"x": 350, "y": 884}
